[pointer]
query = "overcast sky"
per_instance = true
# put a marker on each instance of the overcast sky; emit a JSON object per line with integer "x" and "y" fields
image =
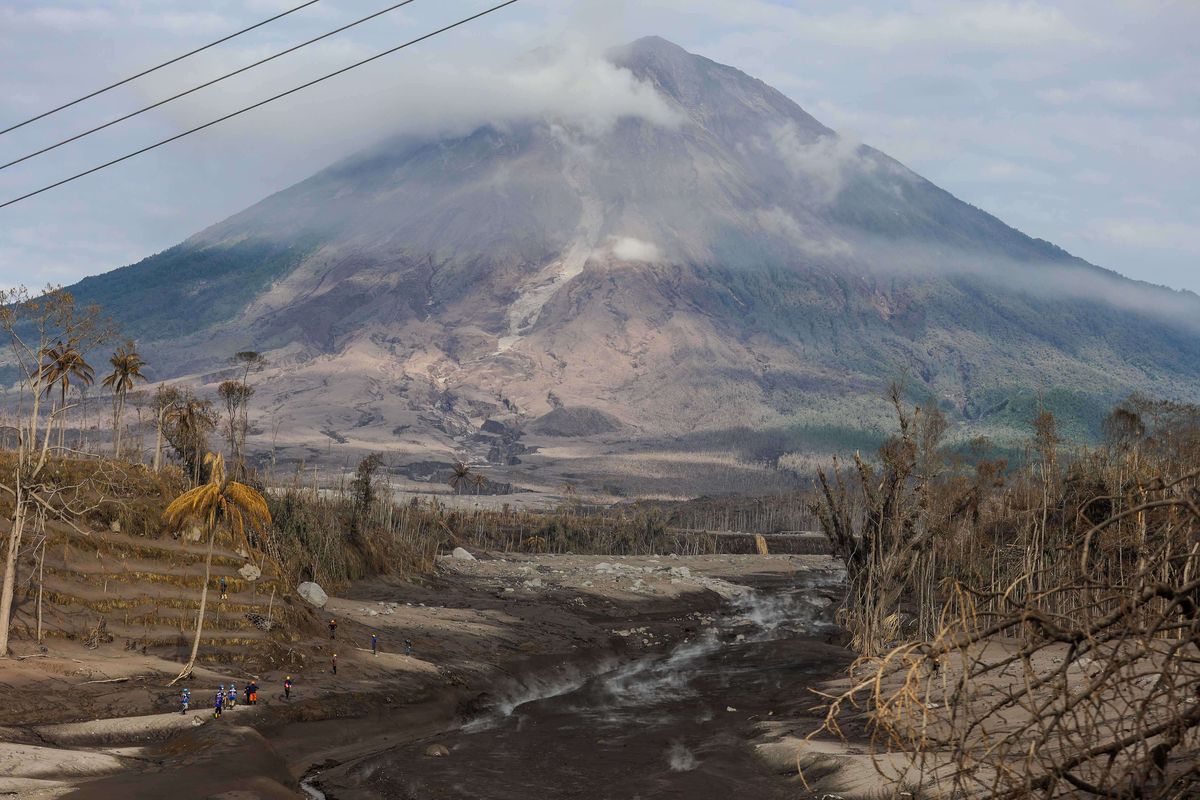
{"x": 1074, "y": 121}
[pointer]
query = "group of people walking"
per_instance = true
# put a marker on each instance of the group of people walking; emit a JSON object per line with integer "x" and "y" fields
{"x": 227, "y": 697}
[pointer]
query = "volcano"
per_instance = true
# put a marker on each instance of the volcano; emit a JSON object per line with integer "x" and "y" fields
{"x": 718, "y": 278}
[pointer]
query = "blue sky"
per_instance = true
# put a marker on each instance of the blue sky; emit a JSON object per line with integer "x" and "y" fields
{"x": 1077, "y": 122}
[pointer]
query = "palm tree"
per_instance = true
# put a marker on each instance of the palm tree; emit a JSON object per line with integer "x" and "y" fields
{"x": 463, "y": 474}
{"x": 219, "y": 502}
{"x": 60, "y": 364}
{"x": 127, "y": 366}
{"x": 480, "y": 481}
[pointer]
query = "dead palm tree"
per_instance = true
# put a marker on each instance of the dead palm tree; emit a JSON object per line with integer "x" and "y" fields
{"x": 462, "y": 476}
{"x": 218, "y": 503}
{"x": 60, "y": 364}
{"x": 127, "y": 366}
{"x": 191, "y": 419}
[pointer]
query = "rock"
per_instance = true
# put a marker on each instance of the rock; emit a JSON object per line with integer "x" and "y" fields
{"x": 115, "y": 526}
{"x": 312, "y": 594}
{"x": 462, "y": 555}
{"x": 533, "y": 583}
{"x": 250, "y": 572}
{"x": 437, "y": 751}
{"x": 681, "y": 572}
{"x": 730, "y": 708}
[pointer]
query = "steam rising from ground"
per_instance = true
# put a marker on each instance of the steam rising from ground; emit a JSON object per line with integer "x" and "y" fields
{"x": 613, "y": 691}
{"x": 680, "y": 758}
{"x": 629, "y": 249}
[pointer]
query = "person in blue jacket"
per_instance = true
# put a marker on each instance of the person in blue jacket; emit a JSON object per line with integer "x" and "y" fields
{"x": 231, "y": 695}
{"x": 185, "y": 700}
{"x": 219, "y": 702}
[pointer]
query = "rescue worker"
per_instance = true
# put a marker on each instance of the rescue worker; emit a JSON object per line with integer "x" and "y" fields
{"x": 333, "y": 629}
{"x": 287, "y": 688}
{"x": 374, "y": 644}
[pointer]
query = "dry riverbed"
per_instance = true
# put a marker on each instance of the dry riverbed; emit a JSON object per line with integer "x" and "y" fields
{"x": 474, "y": 626}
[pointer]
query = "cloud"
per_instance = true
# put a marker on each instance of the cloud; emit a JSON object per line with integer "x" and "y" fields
{"x": 190, "y": 22}
{"x": 628, "y": 248}
{"x": 575, "y": 86}
{"x": 823, "y": 161}
{"x": 1039, "y": 279}
{"x": 779, "y": 222}
{"x": 57, "y": 18}
{"x": 1149, "y": 233}
{"x": 1113, "y": 93}
{"x": 966, "y": 23}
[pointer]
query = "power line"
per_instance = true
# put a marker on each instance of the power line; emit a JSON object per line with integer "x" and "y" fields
{"x": 260, "y": 103}
{"x": 205, "y": 85}
{"x": 144, "y": 72}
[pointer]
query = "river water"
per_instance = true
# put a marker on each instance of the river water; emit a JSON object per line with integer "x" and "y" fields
{"x": 671, "y": 724}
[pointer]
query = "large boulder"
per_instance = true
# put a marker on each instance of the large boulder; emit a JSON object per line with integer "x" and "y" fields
{"x": 437, "y": 751}
{"x": 462, "y": 554}
{"x": 313, "y": 594}
{"x": 250, "y": 572}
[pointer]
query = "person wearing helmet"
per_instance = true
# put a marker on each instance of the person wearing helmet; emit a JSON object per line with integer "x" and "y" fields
{"x": 287, "y": 688}
{"x": 185, "y": 700}
{"x": 219, "y": 702}
{"x": 231, "y": 695}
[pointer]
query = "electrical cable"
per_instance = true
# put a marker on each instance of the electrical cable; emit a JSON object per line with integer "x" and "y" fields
{"x": 204, "y": 85}
{"x": 259, "y": 104}
{"x": 144, "y": 72}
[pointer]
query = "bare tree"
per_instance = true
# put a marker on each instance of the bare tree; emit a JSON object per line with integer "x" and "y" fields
{"x": 32, "y": 323}
{"x": 235, "y": 396}
{"x": 166, "y": 398}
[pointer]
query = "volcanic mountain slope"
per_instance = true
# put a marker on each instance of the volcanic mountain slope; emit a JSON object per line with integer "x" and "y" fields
{"x": 720, "y": 270}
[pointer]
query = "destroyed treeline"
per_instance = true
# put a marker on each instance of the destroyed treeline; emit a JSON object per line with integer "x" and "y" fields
{"x": 1034, "y": 631}
{"x": 339, "y": 535}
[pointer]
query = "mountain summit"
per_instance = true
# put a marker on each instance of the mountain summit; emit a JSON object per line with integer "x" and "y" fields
{"x": 703, "y": 268}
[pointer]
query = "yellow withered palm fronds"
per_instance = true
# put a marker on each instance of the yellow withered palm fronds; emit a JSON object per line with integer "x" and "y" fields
{"x": 220, "y": 501}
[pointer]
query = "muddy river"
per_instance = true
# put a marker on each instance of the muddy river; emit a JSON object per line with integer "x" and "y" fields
{"x": 676, "y": 723}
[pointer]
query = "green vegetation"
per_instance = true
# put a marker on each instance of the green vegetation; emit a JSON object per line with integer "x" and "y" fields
{"x": 192, "y": 285}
